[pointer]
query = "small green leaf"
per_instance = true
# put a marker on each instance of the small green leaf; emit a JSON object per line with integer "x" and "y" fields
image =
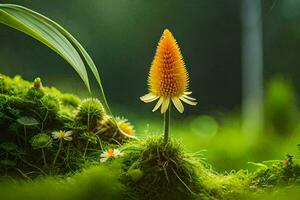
{"x": 41, "y": 141}
{"x": 89, "y": 136}
{"x": 8, "y": 146}
{"x": 28, "y": 121}
{"x": 7, "y": 163}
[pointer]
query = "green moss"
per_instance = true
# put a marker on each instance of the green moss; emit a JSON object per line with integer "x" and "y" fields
{"x": 276, "y": 173}
{"x": 49, "y": 108}
{"x": 70, "y": 100}
{"x": 151, "y": 169}
{"x": 89, "y": 112}
{"x": 161, "y": 171}
{"x": 13, "y": 86}
{"x": 94, "y": 182}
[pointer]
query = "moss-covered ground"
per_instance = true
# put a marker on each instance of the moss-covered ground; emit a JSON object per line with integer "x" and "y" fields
{"x": 56, "y": 146}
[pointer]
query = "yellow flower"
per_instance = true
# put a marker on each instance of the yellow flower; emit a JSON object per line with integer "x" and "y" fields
{"x": 168, "y": 79}
{"x": 125, "y": 126}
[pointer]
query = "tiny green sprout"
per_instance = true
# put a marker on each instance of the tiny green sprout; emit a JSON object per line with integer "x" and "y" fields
{"x": 36, "y": 92}
{"x": 89, "y": 112}
{"x": 37, "y": 83}
{"x": 41, "y": 141}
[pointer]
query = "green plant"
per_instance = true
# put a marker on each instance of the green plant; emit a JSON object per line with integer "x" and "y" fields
{"x": 41, "y": 141}
{"x": 27, "y": 122}
{"x": 89, "y": 112}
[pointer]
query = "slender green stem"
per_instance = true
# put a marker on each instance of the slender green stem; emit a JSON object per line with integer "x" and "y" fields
{"x": 167, "y": 124}
{"x": 58, "y": 151}
{"x": 46, "y": 115}
{"x": 44, "y": 157}
{"x": 32, "y": 165}
{"x": 25, "y": 137}
{"x": 86, "y": 147}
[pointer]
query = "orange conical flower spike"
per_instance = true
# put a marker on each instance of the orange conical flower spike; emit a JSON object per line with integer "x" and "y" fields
{"x": 168, "y": 78}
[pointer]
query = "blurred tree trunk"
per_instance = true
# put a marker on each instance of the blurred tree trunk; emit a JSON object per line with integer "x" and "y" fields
{"x": 252, "y": 67}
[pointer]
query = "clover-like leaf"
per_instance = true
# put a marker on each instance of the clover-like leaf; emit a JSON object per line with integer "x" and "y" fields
{"x": 41, "y": 140}
{"x": 8, "y": 146}
{"x": 7, "y": 163}
{"x": 27, "y": 121}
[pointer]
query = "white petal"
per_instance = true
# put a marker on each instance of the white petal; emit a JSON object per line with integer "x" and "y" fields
{"x": 189, "y": 98}
{"x": 177, "y": 103}
{"x": 68, "y": 138}
{"x": 103, "y": 155}
{"x": 149, "y": 98}
{"x": 55, "y": 135}
{"x": 165, "y": 104}
{"x": 103, "y": 160}
{"x": 188, "y": 101}
{"x": 187, "y": 93}
{"x": 68, "y": 133}
{"x": 158, "y": 104}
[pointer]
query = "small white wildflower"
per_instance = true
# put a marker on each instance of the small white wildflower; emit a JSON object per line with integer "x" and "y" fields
{"x": 110, "y": 154}
{"x": 62, "y": 135}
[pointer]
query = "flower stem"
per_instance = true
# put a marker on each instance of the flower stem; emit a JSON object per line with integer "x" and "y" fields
{"x": 86, "y": 146}
{"x": 167, "y": 124}
{"x": 57, "y": 153}
{"x": 25, "y": 137}
{"x": 44, "y": 157}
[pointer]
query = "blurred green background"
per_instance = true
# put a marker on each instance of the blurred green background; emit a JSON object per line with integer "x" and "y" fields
{"x": 121, "y": 36}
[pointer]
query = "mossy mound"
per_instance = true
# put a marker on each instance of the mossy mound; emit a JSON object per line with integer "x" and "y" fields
{"x": 155, "y": 170}
{"x": 29, "y": 116}
{"x": 46, "y": 132}
{"x": 160, "y": 171}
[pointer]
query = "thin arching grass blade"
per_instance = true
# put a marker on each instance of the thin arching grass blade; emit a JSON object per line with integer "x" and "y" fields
{"x": 45, "y": 33}
{"x": 83, "y": 52}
